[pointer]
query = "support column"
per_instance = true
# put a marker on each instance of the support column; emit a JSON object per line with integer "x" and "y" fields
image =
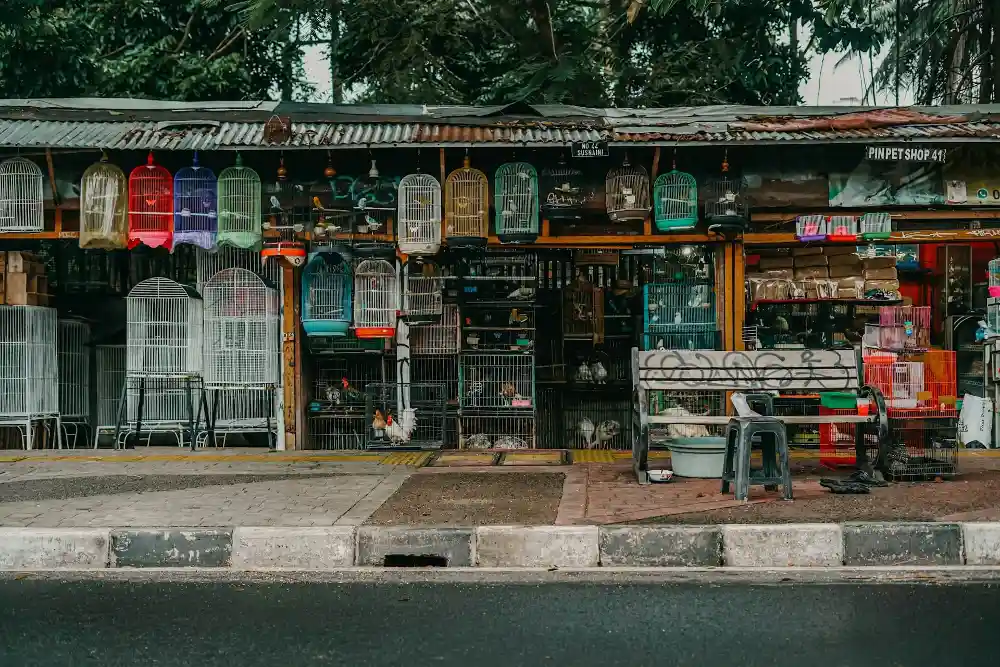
{"x": 738, "y": 307}
{"x": 291, "y": 356}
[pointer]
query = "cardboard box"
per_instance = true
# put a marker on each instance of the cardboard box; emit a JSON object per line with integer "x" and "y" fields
{"x": 20, "y": 262}
{"x": 16, "y": 289}
{"x": 3, "y": 263}
{"x": 879, "y": 263}
{"x": 841, "y": 260}
{"x": 807, "y": 251}
{"x": 810, "y": 260}
{"x": 847, "y": 293}
{"x": 887, "y": 285}
{"x": 807, "y": 273}
{"x": 845, "y": 270}
{"x": 767, "y": 263}
{"x": 837, "y": 250}
{"x": 880, "y": 274}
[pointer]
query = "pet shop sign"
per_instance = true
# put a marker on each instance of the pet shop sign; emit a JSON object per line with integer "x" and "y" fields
{"x": 589, "y": 149}
{"x": 905, "y": 154}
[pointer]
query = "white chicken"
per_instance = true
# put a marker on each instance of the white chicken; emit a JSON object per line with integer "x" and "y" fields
{"x": 683, "y": 430}
{"x": 599, "y": 373}
{"x": 399, "y": 433}
{"x": 585, "y": 428}
{"x": 511, "y": 442}
{"x": 584, "y": 374}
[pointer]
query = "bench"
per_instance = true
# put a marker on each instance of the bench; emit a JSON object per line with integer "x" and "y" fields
{"x": 761, "y": 371}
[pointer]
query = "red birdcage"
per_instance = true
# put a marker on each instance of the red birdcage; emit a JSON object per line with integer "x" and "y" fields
{"x": 922, "y": 386}
{"x": 150, "y": 206}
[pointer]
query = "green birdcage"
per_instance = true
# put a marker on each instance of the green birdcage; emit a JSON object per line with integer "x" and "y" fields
{"x": 239, "y": 207}
{"x": 516, "y": 202}
{"x": 675, "y": 197}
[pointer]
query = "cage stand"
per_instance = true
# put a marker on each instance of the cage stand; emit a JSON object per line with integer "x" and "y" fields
{"x": 193, "y": 419}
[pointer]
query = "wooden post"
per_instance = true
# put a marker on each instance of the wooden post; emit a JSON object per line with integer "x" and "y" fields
{"x": 55, "y": 189}
{"x": 647, "y": 227}
{"x": 738, "y": 308}
{"x": 444, "y": 216}
{"x": 290, "y": 354}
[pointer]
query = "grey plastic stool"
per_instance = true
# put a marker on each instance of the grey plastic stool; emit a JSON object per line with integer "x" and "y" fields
{"x": 740, "y": 436}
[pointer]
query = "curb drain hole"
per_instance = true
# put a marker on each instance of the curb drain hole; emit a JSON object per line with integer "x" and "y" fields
{"x": 413, "y": 560}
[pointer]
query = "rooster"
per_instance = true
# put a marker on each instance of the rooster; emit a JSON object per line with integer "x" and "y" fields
{"x": 396, "y": 432}
{"x": 350, "y": 392}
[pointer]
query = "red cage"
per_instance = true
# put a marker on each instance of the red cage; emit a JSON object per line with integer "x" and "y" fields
{"x": 922, "y": 386}
{"x": 150, "y": 206}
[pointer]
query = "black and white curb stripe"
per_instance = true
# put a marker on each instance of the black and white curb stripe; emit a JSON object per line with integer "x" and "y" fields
{"x": 568, "y": 547}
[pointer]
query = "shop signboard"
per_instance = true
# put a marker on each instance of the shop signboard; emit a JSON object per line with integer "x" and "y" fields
{"x": 590, "y": 149}
{"x": 890, "y": 153}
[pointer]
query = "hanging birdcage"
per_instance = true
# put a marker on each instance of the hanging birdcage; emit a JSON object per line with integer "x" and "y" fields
{"x": 376, "y": 299}
{"x": 74, "y": 370}
{"x": 516, "y": 202}
{"x": 164, "y": 329}
{"x": 327, "y": 285}
{"x": 196, "y": 193}
{"x": 583, "y": 311}
{"x": 726, "y": 205}
{"x": 150, "y": 207}
{"x": 29, "y": 373}
{"x": 239, "y": 207}
{"x": 423, "y": 295}
{"x": 419, "y": 215}
{"x": 564, "y": 192}
{"x": 103, "y": 207}
{"x": 21, "y": 202}
{"x": 810, "y": 228}
{"x": 675, "y": 194}
{"x": 467, "y": 207}
{"x": 626, "y": 193}
{"x": 876, "y": 226}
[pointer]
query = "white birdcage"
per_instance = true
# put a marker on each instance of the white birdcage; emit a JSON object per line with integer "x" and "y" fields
{"x": 210, "y": 262}
{"x": 109, "y": 374}
{"x": 74, "y": 370}
{"x": 239, "y": 207}
{"x": 164, "y": 328}
{"x": 439, "y": 338}
{"x": 29, "y": 371}
{"x": 419, "y": 212}
{"x": 423, "y": 294}
{"x": 21, "y": 198}
{"x": 516, "y": 202}
{"x": 376, "y": 299}
{"x": 103, "y": 207}
{"x": 467, "y": 206}
{"x": 626, "y": 192}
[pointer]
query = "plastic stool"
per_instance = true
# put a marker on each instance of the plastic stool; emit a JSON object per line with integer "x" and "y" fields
{"x": 740, "y": 435}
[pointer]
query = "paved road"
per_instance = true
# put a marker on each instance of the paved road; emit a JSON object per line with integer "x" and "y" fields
{"x": 113, "y": 624}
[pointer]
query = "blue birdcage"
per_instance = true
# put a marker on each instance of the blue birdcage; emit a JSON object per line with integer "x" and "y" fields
{"x": 675, "y": 198}
{"x": 327, "y": 290}
{"x": 516, "y": 202}
{"x": 679, "y": 316}
{"x": 196, "y": 196}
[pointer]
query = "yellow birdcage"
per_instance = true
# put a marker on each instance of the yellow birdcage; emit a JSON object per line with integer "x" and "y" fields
{"x": 467, "y": 207}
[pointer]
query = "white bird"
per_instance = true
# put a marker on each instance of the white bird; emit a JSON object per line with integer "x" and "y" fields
{"x": 332, "y": 394}
{"x": 677, "y": 317}
{"x": 275, "y": 204}
{"x": 511, "y": 442}
{"x": 780, "y": 323}
{"x": 478, "y": 441}
{"x": 607, "y": 431}
{"x": 585, "y": 428}
{"x": 599, "y": 373}
{"x": 583, "y": 373}
{"x": 395, "y": 432}
{"x": 660, "y": 345}
{"x": 683, "y": 430}
{"x": 522, "y": 293}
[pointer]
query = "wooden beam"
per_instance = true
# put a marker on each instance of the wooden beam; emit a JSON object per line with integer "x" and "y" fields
{"x": 52, "y": 177}
{"x": 904, "y": 236}
{"x": 937, "y": 214}
{"x": 656, "y": 164}
{"x": 616, "y": 241}
{"x": 444, "y": 176}
{"x": 738, "y": 305}
{"x": 38, "y": 236}
{"x": 289, "y": 365}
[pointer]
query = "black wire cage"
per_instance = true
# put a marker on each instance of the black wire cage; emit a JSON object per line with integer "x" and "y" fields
{"x": 405, "y": 416}
{"x": 921, "y": 450}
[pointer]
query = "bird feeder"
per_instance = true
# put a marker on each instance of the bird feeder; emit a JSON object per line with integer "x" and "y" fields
{"x": 239, "y": 207}
{"x": 875, "y": 226}
{"x": 21, "y": 196}
{"x": 327, "y": 285}
{"x": 376, "y": 299}
{"x": 627, "y": 193}
{"x": 467, "y": 207}
{"x": 675, "y": 194}
{"x": 516, "y": 202}
{"x": 103, "y": 207}
{"x": 419, "y": 215}
{"x": 150, "y": 206}
{"x": 196, "y": 194}
{"x": 810, "y": 228}
{"x": 842, "y": 228}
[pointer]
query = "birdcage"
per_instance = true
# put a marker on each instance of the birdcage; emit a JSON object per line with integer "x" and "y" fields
{"x": 496, "y": 382}
{"x": 498, "y": 328}
{"x": 103, "y": 207}
{"x": 467, "y": 207}
{"x": 810, "y": 228}
{"x": 74, "y": 370}
{"x": 285, "y": 220}
{"x": 516, "y": 203}
{"x": 164, "y": 329}
{"x": 338, "y": 403}
{"x": 423, "y": 293}
{"x": 327, "y": 285}
{"x": 923, "y": 386}
{"x": 685, "y": 403}
{"x": 29, "y": 371}
{"x": 910, "y": 324}
{"x": 875, "y": 226}
{"x": 497, "y": 432}
{"x": 993, "y": 274}
{"x": 109, "y": 380}
{"x": 626, "y": 193}
{"x": 21, "y": 196}
{"x": 419, "y": 215}
{"x": 679, "y": 316}
{"x": 921, "y": 450}
{"x": 993, "y": 312}
{"x": 196, "y": 194}
{"x": 676, "y": 196}
{"x": 842, "y": 228}
{"x": 239, "y": 207}
{"x": 583, "y": 311}
{"x": 584, "y": 420}
{"x": 405, "y": 415}
{"x": 438, "y": 338}
{"x": 210, "y": 262}
{"x": 726, "y": 205}
{"x": 376, "y": 299}
{"x": 150, "y": 206}
{"x": 242, "y": 331}
{"x": 564, "y": 192}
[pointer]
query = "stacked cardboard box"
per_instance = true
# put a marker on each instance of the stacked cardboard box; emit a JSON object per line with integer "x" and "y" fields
{"x": 24, "y": 280}
{"x": 880, "y": 273}
{"x": 808, "y": 272}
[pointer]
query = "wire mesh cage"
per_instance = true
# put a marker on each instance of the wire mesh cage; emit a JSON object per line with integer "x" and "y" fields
{"x": 376, "y": 299}
{"x": 423, "y": 295}
{"x": 419, "y": 215}
{"x": 467, "y": 206}
{"x": 405, "y": 415}
{"x": 921, "y": 449}
{"x": 285, "y": 220}
{"x": 29, "y": 371}
{"x": 626, "y": 192}
{"x": 582, "y": 420}
{"x": 686, "y": 404}
{"x": 437, "y": 338}
{"x": 923, "y": 386}
{"x": 875, "y": 226}
{"x": 498, "y": 328}
{"x": 150, "y": 205}
{"x": 242, "y": 331}
{"x": 167, "y": 408}
{"x": 498, "y": 277}
{"x": 437, "y": 369}
{"x": 516, "y": 202}
{"x": 196, "y": 214}
{"x": 810, "y": 227}
{"x": 103, "y": 207}
{"x": 993, "y": 275}
{"x": 564, "y": 192}
{"x": 914, "y": 321}
{"x": 164, "y": 329}
{"x": 109, "y": 380}
{"x": 726, "y": 204}
{"x": 327, "y": 289}
{"x": 496, "y": 382}
{"x": 583, "y": 311}
{"x": 210, "y": 262}
{"x": 675, "y": 194}
{"x": 239, "y": 207}
{"x": 842, "y": 228}
{"x": 338, "y": 400}
{"x": 678, "y": 307}
{"x": 496, "y": 432}
{"x": 21, "y": 202}
{"x": 74, "y": 370}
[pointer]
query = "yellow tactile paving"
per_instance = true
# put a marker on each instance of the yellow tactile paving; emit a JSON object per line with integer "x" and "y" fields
{"x": 407, "y": 458}
{"x": 459, "y": 459}
{"x": 536, "y": 458}
{"x": 592, "y": 456}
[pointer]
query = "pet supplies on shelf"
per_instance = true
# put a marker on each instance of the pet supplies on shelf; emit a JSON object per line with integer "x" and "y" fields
{"x": 327, "y": 287}
{"x": 419, "y": 216}
{"x": 196, "y": 193}
{"x": 516, "y": 203}
{"x": 239, "y": 207}
{"x": 842, "y": 228}
{"x": 675, "y": 195}
{"x": 875, "y": 226}
{"x": 376, "y": 299}
{"x": 21, "y": 196}
{"x": 103, "y": 207}
{"x": 29, "y": 371}
{"x": 150, "y": 207}
{"x": 626, "y": 192}
{"x": 810, "y": 228}
{"x": 467, "y": 207}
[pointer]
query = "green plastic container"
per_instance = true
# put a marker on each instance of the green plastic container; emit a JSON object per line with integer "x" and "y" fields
{"x": 838, "y": 400}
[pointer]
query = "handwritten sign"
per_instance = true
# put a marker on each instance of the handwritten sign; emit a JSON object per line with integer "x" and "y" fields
{"x": 590, "y": 149}
{"x": 905, "y": 154}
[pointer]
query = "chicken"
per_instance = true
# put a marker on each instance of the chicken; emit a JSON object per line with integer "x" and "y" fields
{"x": 378, "y": 423}
{"x": 585, "y": 428}
{"x": 350, "y": 392}
{"x": 683, "y": 430}
{"x": 478, "y": 441}
{"x": 606, "y": 431}
{"x": 395, "y": 432}
{"x": 511, "y": 442}
{"x": 598, "y": 373}
{"x": 332, "y": 394}
{"x": 584, "y": 374}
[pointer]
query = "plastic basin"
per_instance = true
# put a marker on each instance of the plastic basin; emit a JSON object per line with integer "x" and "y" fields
{"x": 697, "y": 457}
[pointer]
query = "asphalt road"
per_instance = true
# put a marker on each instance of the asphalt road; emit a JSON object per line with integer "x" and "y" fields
{"x": 161, "y": 624}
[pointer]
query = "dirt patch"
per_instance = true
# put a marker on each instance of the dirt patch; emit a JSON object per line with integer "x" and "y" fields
{"x": 473, "y": 499}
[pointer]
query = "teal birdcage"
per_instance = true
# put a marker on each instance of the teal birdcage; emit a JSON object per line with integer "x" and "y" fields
{"x": 239, "y": 207}
{"x": 679, "y": 315}
{"x": 516, "y": 202}
{"x": 675, "y": 196}
{"x": 327, "y": 288}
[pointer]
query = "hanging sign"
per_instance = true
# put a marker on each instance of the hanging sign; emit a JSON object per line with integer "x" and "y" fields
{"x": 590, "y": 149}
{"x": 881, "y": 153}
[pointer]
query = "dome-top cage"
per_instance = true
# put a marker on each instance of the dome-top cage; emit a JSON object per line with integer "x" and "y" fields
{"x": 419, "y": 215}
{"x": 103, "y": 207}
{"x": 150, "y": 206}
{"x": 376, "y": 299}
{"x": 516, "y": 203}
{"x": 675, "y": 195}
{"x": 164, "y": 329}
{"x": 196, "y": 194}
{"x": 626, "y": 192}
{"x": 21, "y": 202}
{"x": 327, "y": 286}
{"x": 565, "y": 192}
{"x": 239, "y": 207}
{"x": 467, "y": 207}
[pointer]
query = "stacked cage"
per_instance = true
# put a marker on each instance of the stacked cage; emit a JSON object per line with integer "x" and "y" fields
{"x": 496, "y": 390}
{"x": 434, "y": 354}
{"x": 109, "y": 381}
{"x": 242, "y": 352}
{"x": 419, "y": 215}
{"x": 74, "y": 380}
{"x": 338, "y": 407}
{"x": 679, "y": 316}
{"x": 29, "y": 372}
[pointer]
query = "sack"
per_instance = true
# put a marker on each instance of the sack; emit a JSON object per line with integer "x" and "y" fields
{"x": 975, "y": 423}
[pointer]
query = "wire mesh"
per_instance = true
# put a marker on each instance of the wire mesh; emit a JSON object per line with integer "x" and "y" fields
{"x": 337, "y": 406}
{"x": 150, "y": 206}
{"x": 243, "y": 410}
{"x": 423, "y": 297}
{"x": 438, "y": 337}
{"x": 921, "y": 449}
{"x": 583, "y": 311}
{"x": 164, "y": 329}
{"x": 626, "y": 192}
{"x": 685, "y": 404}
{"x": 419, "y": 215}
{"x": 842, "y": 227}
{"x": 376, "y": 299}
{"x": 109, "y": 374}
{"x": 875, "y": 226}
{"x": 410, "y": 416}
{"x": 103, "y": 207}
{"x": 467, "y": 205}
{"x": 196, "y": 214}
{"x": 725, "y": 201}
{"x": 21, "y": 202}
{"x": 327, "y": 293}
{"x": 516, "y": 202}
{"x": 496, "y": 382}
{"x": 498, "y": 328}
{"x": 581, "y": 420}
{"x": 923, "y": 386}
{"x": 169, "y": 405}
{"x": 29, "y": 372}
{"x": 676, "y": 196}
{"x": 239, "y": 207}
{"x": 208, "y": 263}
{"x": 912, "y": 324}
{"x": 811, "y": 227}
{"x": 437, "y": 369}
{"x": 496, "y": 432}
{"x": 74, "y": 370}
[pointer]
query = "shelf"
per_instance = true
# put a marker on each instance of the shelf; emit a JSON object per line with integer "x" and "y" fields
{"x": 525, "y": 329}
{"x": 849, "y": 302}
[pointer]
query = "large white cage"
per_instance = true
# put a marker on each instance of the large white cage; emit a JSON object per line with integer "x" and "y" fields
{"x": 210, "y": 262}
{"x": 109, "y": 381}
{"x": 74, "y": 370}
{"x": 29, "y": 373}
{"x": 21, "y": 196}
{"x": 419, "y": 215}
{"x": 164, "y": 329}
{"x": 376, "y": 299}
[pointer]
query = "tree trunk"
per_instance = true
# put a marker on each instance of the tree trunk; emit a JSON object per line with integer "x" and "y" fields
{"x": 986, "y": 52}
{"x": 541, "y": 14}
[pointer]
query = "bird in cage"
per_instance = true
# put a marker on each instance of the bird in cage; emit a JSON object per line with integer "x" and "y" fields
{"x": 585, "y": 428}
{"x": 606, "y": 431}
{"x": 629, "y": 196}
{"x": 349, "y": 392}
{"x": 598, "y": 372}
{"x": 683, "y": 430}
{"x": 478, "y": 441}
{"x": 511, "y": 442}
{"x": 379, "y": 424}
{"x": 660, "y": 345}
{"x": 396, "y": 432}
{"x": 332, "y": 394}
{"x": 698, "y": 297}
{"x": 583, "y": 373}
{"x": 275, "y": 206}
{"x": 522, "y": 293}
{"x": 677, "y": 318}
